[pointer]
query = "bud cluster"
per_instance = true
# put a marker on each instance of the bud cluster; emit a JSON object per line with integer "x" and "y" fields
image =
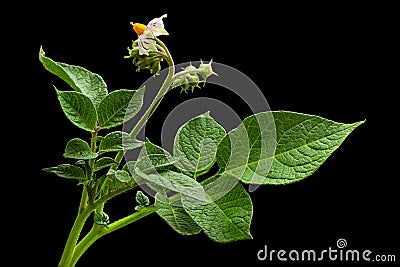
{"x": 190, "y": 76}
{"x": 150, "y": 62}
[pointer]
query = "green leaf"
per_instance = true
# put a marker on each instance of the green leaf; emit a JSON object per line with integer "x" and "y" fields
{"x": 67, "y": 171}
{"x": 130, "y": 167}
{"x": 78, "y": 149}
{"x": 315, "y": 138}
{"x": 101, "y": 218}
{"x": 142, "y": 199}
{"x": 78, "y": 108}
{"x": 252, "y": 140}
{"x": 153, "y": 158}
{"x": 224, "y": 218}
{"x": 196, "y": 143}
{"x": 117, "y": 141}
{"x": 103, "y": 163}
{"x": 175, "y": 216}
{"x": 123, "y": 176}
{"x": 303, "y": 143}
{"x": 119, "y": 106}
{"x": 174, "y": 182}
{"x": 80, "y": 79}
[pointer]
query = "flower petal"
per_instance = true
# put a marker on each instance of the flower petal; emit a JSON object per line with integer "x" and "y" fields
{"x": 157, "y": 26}
{"x": 146, "y": 43}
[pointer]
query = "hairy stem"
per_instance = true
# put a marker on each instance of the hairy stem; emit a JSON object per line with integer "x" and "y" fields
{"x": 83, "y": 213}
{"x": 76, "y": 229}
{"x": 184, "y": 72}
{"x": 156, "y": 101}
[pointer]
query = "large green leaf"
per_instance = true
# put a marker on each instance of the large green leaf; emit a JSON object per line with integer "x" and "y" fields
{"x": 67, "y": 171}
{"x": 175, "y": 215}
{"x": 78, "y": 149}
{"x": 78, "y": 108}
{"x": 116, "y": 141}
{"x": 119, "y": 106}
{"x": 223, "y": 218}
{"x": 196, "y": 143}
{"x": 80, "y": 79}
{"x": 302, "y": 143}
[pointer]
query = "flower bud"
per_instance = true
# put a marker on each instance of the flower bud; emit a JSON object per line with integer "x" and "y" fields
{"x": 189, "y": 80}
{"x": 206, "y": 70}
{"x": 155, "y": 66}
{"x": 150, "y": 62}
{"x": 193, "y": 80}
{"x": 181, "y": 82}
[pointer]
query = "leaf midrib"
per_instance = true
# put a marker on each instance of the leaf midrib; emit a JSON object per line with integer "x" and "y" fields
{"x": 201, "y": 151}
{"x": 118, "y": 110}
{"x": 84, "y": 116}
{"x": 288, "y": 151}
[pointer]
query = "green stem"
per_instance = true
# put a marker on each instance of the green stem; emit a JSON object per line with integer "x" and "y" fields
{"x": 76, "y": 229}
{"x": 184, "y": 72}
{"x": 98, "y": 231}
{"x": 83, "y": 214}
{"x": 93, "y": 144}
{"x": 161, "y": 93}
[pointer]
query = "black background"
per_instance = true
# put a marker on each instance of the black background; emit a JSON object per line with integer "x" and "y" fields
{"x": 334, "y": 61}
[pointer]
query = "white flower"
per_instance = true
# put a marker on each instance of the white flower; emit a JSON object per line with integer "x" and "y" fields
{"x": 147, "y": 34}
{"x": 146, "y": 43}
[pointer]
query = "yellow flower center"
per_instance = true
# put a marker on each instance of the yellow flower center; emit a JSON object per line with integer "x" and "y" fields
{"x": 139, "y": 28}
